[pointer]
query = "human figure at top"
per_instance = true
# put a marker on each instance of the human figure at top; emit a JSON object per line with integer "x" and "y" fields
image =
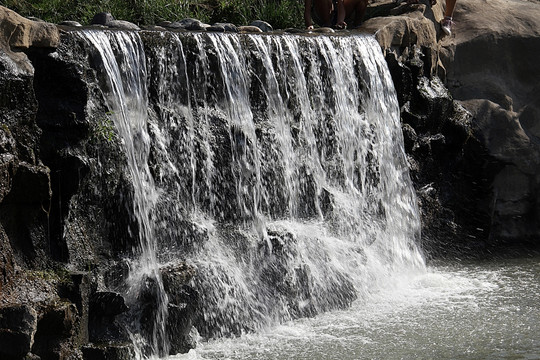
{"x": 333, "y": 13}
{"x": 446, "y": 23}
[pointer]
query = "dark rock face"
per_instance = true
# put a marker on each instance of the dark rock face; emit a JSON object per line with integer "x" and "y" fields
{"x": 475, "y": 170}
{"x": 108, "y": 352}
{"x": 18, "y": 325}
{"x": 183, "y": 306}
{"x": 55, "y": 332}
{"x": 450, "y": 167}
{"x": 492, "y": 70}
{"x": 48, "y": 147}
{"x": 104, "y": 307}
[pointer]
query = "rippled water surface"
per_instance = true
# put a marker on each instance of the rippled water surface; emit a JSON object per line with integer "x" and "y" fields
{"x": 488, "y": 310}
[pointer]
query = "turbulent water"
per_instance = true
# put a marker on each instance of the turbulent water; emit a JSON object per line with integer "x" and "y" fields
{"x": 488, "y": 310}
{"x": 272, "y": 165}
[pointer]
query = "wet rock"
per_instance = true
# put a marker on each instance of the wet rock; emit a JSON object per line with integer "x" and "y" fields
{"x": 404, "y": 34}
{"x": 17, "y": 329}
{"x": 323, "y": 30}
{"x": 172, "y": 25}
{"x": 491, "y": 68}
{"x": 294, "y": 31}
{"x": 165, "y": 23}
{"x": 7, "y": 263}
{"x": 154, "y": 28}
{"x": 402, "y": 77}
{"x": 31, "y": 185}
{"x": 104, "y": 307}
{"x": 55, "y": 330}
{"x": 70, "y": 23}
{"x": 215, "y": 28}
{"x": 295, "y": 285}
{"x": 180, "y": 328}
{"x": 175, "y": 276}
{"x": 183, "y": 306}
{"x": 228, "y": 27}
{"x": 192, "y": 24}
{"x": 108, "y": 352}
{"x": 263, "y": 25}
{"x": 249, "y": 29}
{"x": 122, "y": 25}
{"x": 107, "y": 304}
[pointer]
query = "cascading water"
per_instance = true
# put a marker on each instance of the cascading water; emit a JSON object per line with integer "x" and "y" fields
{"x": 272, "y": 165}
{"x": 127, "y": 95}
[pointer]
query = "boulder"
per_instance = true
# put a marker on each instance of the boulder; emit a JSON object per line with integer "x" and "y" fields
{"x": 323, "y": 30}
{"x": 263, "y": 25}
{"x": 123, "y": 25}
{"x": 55, "y": 330}
{"x": 249, "y": 29}
{"x": 102, "y": 18}
{"x": 215, "y": 28}
{"x": 104, "y": 307}
{"x": 182, "y": 307}
{"x": 403, "y": 34}
{"x": 227, "y": 27}
{"x": 492, "y": 69}
{"x": 192, "y": 24}
{"x": 22, "y": 33}
{"x": 17, "y": 329}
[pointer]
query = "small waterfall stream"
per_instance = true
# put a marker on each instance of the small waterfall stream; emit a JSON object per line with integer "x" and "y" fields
{"x": 272, "y": 165}
{"x": 127, "y": 101}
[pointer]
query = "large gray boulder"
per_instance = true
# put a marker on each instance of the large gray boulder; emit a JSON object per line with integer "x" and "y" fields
{"x": 491, "y": 65}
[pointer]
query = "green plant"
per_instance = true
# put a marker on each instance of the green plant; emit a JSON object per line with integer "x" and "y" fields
{"x": 281, "y": 13}
{"x": 104, "y": 129}
{"x": 58, "y": 275}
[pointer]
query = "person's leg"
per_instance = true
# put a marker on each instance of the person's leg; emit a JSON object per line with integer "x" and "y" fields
{"x": 449, "y": 11}
{"x": 355, "y": 11}
{"x": 446, "y": 23}
{"x": 360, "y": 11}
{"x": 323, "y": 10}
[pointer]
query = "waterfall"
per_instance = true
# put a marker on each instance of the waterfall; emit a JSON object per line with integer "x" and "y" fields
{"x": 272, "y": 165}
{"x": 127, "y": 101}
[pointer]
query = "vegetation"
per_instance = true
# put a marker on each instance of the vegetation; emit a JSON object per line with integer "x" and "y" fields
{"x": 279, "y": 13}
{"x": 104, "y": 129}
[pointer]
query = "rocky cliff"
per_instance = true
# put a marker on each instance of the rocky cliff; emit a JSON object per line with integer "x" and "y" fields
{"x": 474, "y": 133}
{"x": 469, "y": 114}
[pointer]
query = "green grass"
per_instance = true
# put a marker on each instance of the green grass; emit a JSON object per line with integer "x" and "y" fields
{"x": 279, "y": 13}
